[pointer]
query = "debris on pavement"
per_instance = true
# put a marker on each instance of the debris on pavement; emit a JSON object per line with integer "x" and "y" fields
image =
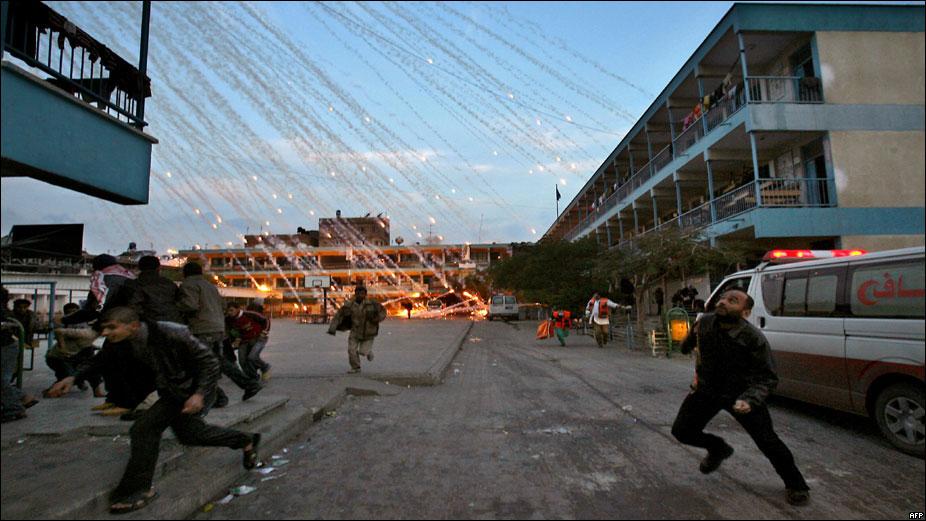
{"x": 267, "y": 470}
{"x": 242, "y": 490}
{"x": 226, "y": 500}
{"x": 280, "y": 462}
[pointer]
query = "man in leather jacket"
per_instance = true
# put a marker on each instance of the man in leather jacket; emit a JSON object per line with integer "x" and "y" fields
{"x": 735, "y": 373}
{"x": 186, "y": 372}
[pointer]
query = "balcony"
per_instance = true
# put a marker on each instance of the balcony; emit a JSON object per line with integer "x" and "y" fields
{"x": 773, "y": 193}
{"x": 73, "y": 110}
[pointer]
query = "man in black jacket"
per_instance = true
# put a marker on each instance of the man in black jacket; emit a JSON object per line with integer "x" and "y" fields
{"x": 186, "y": 372}
{"x": 735, "y": 373}
{"x": 155, "y": 297}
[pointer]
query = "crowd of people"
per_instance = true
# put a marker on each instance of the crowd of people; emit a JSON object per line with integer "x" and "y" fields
{"x": 164, "y": 351}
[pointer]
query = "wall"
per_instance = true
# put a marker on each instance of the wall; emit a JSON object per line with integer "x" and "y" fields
{"x": 882, "y": 242}
{"x": 883, "y": 169}
{"x": 872, "y": 67}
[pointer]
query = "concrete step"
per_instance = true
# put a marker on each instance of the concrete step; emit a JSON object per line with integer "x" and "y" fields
{"x": 78, "y": 468}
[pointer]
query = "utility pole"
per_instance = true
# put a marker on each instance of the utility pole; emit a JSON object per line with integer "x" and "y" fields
{"x": 479, "y": 240}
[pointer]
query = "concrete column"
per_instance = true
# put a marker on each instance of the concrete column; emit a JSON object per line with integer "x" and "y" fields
{"x": 620, "y": 224}
{"x": 630, "y": 153}
{"x": 678, "y": 197}
{"x": 636, "y": 220}
{"x": 739, "y": 38}
{"x": 710, "y": 190}
{"x": 607, "y": 229}
{"x": 655, "y": 209}
{"x": 704, "y": 109}
{"x": 755, "y": 167}
{"x": 649, "y": 145}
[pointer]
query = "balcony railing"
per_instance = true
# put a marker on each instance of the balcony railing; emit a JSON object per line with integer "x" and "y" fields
{"x": 784, "y": 89}
{"x": 775, "y": 193}
{"x": 763, "y": 89}
{"x": 75, "y": 61}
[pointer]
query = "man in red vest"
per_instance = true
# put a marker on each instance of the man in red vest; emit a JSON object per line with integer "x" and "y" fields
{"x": 561, "y": 321}
{"x": 600, "y": 313}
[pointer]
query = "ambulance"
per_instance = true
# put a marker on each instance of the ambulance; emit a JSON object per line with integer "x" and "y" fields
{"x": 846, "y": 329}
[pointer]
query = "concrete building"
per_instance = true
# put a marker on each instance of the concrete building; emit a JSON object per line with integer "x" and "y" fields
{"x": 275, "y": 270}
{"x": 791, "y": 126}
{"x": 353, "y": 230}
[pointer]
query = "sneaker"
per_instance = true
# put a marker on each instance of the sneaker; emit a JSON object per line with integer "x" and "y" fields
{"x": 798, "y": 497}
{"x": 370, "y": 356}
{"x": 265, "y": 375}
{"x": 250, "y": 393}
{"x": 712, "y": 461}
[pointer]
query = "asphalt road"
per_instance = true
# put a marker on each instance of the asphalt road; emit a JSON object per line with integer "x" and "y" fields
{"x": 521, "y": 429}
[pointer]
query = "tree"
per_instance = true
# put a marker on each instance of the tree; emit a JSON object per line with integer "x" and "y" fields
{"x": 559, "y": 273}
{"x": 665, "y": 255}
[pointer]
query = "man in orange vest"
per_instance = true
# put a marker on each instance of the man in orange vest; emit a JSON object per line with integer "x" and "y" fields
{"x": 600, "y": 313}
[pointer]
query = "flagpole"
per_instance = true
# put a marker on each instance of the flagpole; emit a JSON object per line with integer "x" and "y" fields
{"x": 556, "y": 193}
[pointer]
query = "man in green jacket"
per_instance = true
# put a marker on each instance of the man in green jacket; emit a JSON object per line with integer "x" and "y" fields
{"x": 364, "y": 316}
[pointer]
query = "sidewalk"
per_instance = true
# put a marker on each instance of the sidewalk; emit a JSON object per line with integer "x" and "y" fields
{"x": 62, "y": 460}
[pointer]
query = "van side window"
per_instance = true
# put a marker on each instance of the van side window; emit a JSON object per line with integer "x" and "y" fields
{"x": 821, "y": 295}
{"x": 772, "y": 289}
{"x": 795, "y": 301}
{"x": 889, "y": 290}
{"x": 741, "y": 283}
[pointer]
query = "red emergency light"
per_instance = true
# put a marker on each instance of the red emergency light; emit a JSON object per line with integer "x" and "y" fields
{"x": 799, "y": 255}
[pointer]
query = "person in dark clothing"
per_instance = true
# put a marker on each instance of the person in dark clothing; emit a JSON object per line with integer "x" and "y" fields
{"x": 74, "y": 346}
{"x": 186, "y": 372}
{"x": 26, "y": 317}
{"x": 127, "y": 382}
{"x": 154, "y": 296}
{"x": 735, "y": 373}
{"x": 111, "y": 286}
{"x": 200, "y": 302}
{"x": 660, "y": 298}
{"x": 14, "y": 402}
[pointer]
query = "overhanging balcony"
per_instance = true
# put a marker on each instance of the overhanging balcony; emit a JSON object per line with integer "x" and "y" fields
{"x": 73, "y": 110}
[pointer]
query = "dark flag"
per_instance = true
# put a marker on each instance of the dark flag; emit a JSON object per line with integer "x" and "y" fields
{"x": 557, "y": 194}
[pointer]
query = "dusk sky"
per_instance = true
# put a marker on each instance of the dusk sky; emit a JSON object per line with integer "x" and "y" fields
{"x": 458, "y": 117}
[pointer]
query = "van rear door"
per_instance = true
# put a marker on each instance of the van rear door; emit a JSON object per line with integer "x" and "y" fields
{"x": 885, "y": 326}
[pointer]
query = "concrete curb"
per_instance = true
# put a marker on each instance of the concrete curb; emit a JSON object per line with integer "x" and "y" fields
{"x": 435, "y": 374}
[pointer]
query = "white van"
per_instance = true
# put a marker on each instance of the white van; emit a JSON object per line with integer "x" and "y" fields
{"x": 504, "y": 307}
{"x": 847, "y": 332}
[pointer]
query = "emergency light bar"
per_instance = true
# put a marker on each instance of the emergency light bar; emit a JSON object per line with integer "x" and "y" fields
{"x": 800, "y": 255}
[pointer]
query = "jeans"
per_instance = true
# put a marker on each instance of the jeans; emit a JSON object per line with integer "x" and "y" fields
{"x": 65, "y": 367}
{"x": 699, "y": 408}
{"x": 356, "y": 348}
{"x": 10, "y": 395}
{"x": 227, "y": 367}
{"x": 249, "y": 357}
{"x": 146, "y": 435}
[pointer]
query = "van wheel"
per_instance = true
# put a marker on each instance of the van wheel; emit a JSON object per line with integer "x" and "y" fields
{"x": 901, "y": 412}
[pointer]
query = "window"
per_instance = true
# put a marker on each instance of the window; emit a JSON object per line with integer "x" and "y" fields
{"x": 893, "y": 290}
{"x": 821, "y": 295}
{"x": 498, "y": 300}
{"x": 740, "y": 283}
{"x": 795, "y": 298}
{"x": 510, "y": 301}
{"x": 773, "y": 286}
